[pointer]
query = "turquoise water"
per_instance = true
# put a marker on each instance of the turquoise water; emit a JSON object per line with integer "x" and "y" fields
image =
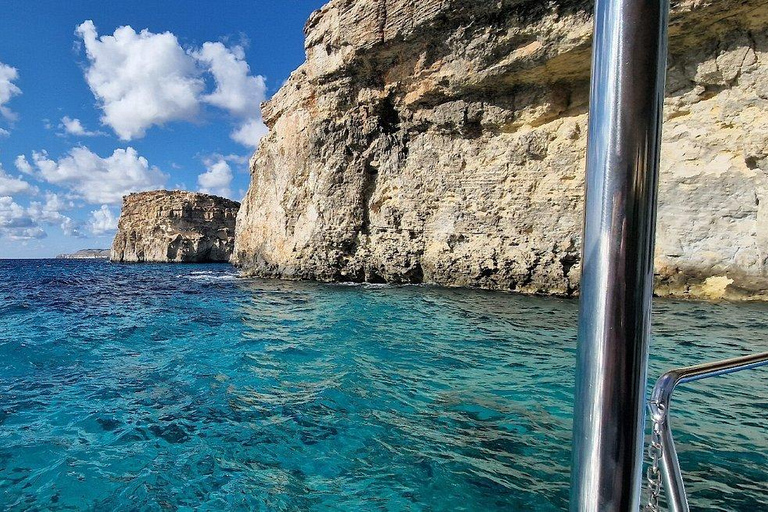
{"x": 164, "y": 387}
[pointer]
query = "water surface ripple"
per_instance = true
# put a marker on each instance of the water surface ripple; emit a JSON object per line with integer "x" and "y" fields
{"x": 174, "y": 387}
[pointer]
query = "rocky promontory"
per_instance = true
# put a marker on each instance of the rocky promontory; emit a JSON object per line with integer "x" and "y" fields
{"x": 175, "y": 226}
{"x": 86, "y": 254}
{"x": 443, "y": 142}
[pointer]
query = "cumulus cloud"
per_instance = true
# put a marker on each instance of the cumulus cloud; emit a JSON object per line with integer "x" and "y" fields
{"x": 19, "y": 223}
{"x": 73, "y": 126}
{"x": 250, "y": 133}
{"x": 146, "y": 79}
{"x": 8, "y": 89}
{"x": 16, "y": 223}
{"x": 237, "y": 159}
{"x": 23, "y": 166}
{"x": 4, "y": 133}
{"x": 217, "y": 179}
{"x": 102, "y": 221}
{"x": 10, "y": 185}
{"x": 236, "y": 91}
{"x": 99, "y": 180}
{"x": 50, "y": 213}
{"x": 140, "y": 79}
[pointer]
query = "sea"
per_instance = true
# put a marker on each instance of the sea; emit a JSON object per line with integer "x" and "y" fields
{"x": 183, "y": 387}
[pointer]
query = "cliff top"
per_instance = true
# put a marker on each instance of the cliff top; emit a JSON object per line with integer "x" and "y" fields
{"x": 180, "y": 195}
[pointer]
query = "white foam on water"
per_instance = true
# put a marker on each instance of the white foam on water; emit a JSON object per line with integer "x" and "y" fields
{"x": 207, "y": 276}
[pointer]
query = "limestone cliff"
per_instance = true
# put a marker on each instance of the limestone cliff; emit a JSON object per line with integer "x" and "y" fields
{"x": 175, "y": 226}
{"x": 443, "y": 141}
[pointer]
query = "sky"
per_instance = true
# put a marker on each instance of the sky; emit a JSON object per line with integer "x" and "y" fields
{"x": 102, "y": 98}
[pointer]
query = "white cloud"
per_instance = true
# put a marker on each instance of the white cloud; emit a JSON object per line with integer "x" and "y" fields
{"x": 217, "y": 179}
{"x": 100, "y": 180}
{"x": 146, "y": 79}
{"x": 232, "y": 158}
{"x": 102, "y": 221}
{"x": 10, "y": 185}
{"x": 250, "y": 133}
{"x": 140, "y": 80}
{"x": 16, "y": 223}
{"x": 50, "y": 213}
{"x": 19, "y": 223}
{"x": 8, "y": 89}
{"x": 4, "y": 133}
{"x": 73, "y": 126}
{"x": 236, "y": 92}
{"x": 23, "y": 166}
{"x": 238, "y": 159}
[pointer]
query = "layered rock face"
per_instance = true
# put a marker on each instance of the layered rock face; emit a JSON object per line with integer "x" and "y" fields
{"x": 175, "y": 226}
{"x": 443, "y": 142}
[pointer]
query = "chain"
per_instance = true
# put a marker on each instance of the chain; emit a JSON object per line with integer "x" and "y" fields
{"x": 653, "y": 474}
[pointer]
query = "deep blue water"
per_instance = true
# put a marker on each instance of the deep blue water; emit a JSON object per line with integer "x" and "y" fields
{"x": 174, "y": 387}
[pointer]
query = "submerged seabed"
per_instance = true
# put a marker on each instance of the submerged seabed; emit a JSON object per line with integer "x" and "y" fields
{"x": 160, "y": 387}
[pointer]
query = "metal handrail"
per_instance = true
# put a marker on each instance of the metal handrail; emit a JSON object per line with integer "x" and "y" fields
{"x": 659, "y": 408}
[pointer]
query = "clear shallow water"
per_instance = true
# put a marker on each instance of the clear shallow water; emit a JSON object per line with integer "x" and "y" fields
{"x": 164, "y": 387}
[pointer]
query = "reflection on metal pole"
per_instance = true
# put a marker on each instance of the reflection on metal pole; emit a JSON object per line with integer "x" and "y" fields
{"x": 626, "y": 98}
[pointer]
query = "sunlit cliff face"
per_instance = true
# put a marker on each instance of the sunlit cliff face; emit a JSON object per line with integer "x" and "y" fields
{"x": 447, "y": 146}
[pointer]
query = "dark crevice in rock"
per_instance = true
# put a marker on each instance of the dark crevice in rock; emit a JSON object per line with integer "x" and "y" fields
{"x": 370, "y": 179}
{"x": 388, "y": 115}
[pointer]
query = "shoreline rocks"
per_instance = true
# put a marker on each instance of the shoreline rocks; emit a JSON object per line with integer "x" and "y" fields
{"x": 175, "y": 226}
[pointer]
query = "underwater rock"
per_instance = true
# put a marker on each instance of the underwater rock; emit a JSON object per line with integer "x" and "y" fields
{"x": 175, "y": 226}
{"x": 443, "y": 142}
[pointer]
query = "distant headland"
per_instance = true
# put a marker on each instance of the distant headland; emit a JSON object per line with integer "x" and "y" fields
{"x": 86, "y": 254}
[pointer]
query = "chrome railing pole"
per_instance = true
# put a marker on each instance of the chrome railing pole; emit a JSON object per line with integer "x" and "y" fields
{"x": 674, "y": 490}
{"x": 626, "y": 98}
{"x": 659, "y": 406}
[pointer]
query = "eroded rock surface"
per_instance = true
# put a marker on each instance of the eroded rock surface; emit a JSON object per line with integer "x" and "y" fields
{"x": 443, "y": 141}
{"x": 175, "y": 226}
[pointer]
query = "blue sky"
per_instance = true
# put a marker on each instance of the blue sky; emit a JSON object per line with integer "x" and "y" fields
{"x": 99, "y": 98}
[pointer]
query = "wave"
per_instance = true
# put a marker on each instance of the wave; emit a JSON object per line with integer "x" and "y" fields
{"x": 207, "y": 275}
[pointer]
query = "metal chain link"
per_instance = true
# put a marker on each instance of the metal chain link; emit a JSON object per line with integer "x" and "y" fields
{"x": 654, "y": 474}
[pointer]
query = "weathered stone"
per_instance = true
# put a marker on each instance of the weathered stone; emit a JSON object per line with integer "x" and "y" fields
{"x": 443, "y": 142}
{"x": 175, "y": 226}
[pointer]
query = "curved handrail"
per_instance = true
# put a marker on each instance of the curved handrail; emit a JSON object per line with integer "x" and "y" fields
{"x": 659, "y": 407}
